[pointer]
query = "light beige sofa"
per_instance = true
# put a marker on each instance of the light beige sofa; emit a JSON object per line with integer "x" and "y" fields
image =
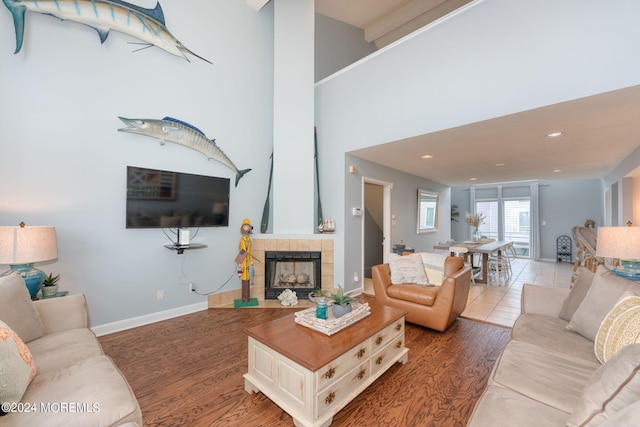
{"x": 75, "y": 383}
{"x": 548, "y": 373}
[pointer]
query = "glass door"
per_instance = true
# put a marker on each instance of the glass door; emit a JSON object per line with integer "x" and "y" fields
{"x": 517, "y": 224}
{"x": 507, "y": 219}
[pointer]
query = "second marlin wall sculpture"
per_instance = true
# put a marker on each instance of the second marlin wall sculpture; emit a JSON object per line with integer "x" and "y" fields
{"x": 103, "y": 15}
{"x": 182, "y": 133}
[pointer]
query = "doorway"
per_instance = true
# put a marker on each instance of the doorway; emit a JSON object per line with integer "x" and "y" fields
{"x": 376, "y": 201}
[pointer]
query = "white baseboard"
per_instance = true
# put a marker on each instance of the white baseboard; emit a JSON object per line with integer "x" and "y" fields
{"x": 134, "y": 322}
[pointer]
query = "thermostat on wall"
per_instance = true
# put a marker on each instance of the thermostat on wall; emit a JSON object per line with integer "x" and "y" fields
{"x": 356, "y": 211}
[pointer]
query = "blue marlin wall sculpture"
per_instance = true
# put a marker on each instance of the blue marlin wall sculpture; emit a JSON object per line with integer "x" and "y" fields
{"x": 179, "y": 132}
{"x": 103, "y": 15}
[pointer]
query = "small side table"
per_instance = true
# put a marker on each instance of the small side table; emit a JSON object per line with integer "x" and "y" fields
{"x": 403, "y": 251}
{"x": 57, "y": 295}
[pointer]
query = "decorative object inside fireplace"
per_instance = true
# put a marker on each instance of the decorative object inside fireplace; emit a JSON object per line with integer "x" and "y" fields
{"x": 295, "y": 270}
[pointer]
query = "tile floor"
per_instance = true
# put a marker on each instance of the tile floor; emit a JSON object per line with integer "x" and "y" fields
{"x": 499, "y": 303}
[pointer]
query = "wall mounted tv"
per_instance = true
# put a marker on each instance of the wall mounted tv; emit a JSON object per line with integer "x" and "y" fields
{"x": 164, "y": 199}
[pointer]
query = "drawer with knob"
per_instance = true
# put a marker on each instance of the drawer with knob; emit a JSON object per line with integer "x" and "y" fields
{"x": 387, "y": 355}
{"x": 341, "y": 389}
{"x": 389, "y": 333}
{"x": 331, "y": 372}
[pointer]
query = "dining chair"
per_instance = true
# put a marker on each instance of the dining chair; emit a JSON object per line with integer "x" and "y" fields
{"x": 499, "y": 265}
{"x": 462, "y": 251}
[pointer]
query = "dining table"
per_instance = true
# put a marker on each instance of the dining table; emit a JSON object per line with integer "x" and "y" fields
{"x": 485, "y": 248}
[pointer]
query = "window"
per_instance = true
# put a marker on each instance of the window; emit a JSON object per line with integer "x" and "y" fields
{"x": 489, "y": 209}
{"x": 509, "y": 220}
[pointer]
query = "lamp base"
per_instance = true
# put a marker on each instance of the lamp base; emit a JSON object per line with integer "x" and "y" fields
{"x": 33, "y": 277}
{"x": 629, "y": 269}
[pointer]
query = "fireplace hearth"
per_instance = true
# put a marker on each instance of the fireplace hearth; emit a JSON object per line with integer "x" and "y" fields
{"x": 295, "y": 270}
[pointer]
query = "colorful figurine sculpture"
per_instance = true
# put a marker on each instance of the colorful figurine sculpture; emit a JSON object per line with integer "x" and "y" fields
{"x": 244, "y": 269}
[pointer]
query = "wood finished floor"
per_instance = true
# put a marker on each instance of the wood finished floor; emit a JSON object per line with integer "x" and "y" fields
{"x": 188, "y": 371}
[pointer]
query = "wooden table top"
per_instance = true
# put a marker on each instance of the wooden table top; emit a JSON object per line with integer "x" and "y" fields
{"x": 478, "y": 247}
{"x": 313, "y": 349}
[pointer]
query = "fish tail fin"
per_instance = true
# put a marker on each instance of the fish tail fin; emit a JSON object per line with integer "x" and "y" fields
{"x": 240, "y": 174}
{"x": 18, "y": 21}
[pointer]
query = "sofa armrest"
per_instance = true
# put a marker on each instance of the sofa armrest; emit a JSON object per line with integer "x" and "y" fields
{"x": 543, "y": 300}
{"x": 63, "y": 313}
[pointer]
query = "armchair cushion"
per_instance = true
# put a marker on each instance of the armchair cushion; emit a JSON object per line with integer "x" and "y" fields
{"x": 17, "y": 310}
{"x": 407, "y": 269}
{"x": 413, "y": 293}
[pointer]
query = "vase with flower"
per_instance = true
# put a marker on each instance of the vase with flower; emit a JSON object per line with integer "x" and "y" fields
{"x": 475, "y": 220}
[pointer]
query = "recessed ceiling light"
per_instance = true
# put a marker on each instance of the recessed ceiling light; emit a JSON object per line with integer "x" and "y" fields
{"x": 427, "y": 156}
{"x": 473, "y": 179}
{"x": 499, "y": 164}
{"x": 554, "y": 135}
{"x": 557, "y": 170}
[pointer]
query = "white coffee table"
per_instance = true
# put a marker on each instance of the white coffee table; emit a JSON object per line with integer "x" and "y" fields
{"x": 312, "y": 376}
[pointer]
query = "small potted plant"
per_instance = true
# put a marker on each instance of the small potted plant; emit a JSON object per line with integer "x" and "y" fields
{"x": 50, "y": 285}
{"x": 316, "y": 294}
{"x": 341, "y": 302}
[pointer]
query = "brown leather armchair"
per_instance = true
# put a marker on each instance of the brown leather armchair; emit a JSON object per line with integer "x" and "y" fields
{"x": 435, "y": 307}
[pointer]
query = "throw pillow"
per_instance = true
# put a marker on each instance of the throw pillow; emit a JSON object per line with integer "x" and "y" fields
{"x": 603, "y": 294}
{"x": 433, "y": 267}
{"x": 621, "y": 327}
{"x": 407, "y": 269}
{"x": 612, "y": 387}
{"x": 17, "y": 368}
{"x": 17, "y": 309}
{"x": 577, "y": 293}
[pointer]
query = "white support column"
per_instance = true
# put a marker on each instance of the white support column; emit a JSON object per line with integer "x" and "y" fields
{"x": 293, "y": 121}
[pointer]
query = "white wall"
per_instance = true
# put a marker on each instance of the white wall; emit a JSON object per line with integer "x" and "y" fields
{"x": 337, "y": 45}
{"x": 63, "y": 163}
{"x": 496, "y": 58}
{"x": 620, "y": 204}
{"x": 404, "y": 206}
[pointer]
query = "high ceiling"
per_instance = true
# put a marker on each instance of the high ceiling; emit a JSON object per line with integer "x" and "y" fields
{"x": 385, "y": 21}
{"x": 599, "y": 131}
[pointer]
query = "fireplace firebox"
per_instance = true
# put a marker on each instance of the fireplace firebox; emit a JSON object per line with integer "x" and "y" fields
{"x": 295, "y": 270}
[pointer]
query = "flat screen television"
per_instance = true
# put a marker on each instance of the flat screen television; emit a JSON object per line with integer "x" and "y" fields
{"x": 164, "y": 199}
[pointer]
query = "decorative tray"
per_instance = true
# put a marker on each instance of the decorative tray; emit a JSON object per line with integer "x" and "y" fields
{"x": 331, "y": 325}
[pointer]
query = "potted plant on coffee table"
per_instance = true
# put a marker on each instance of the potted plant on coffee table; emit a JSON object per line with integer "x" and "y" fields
{"x": 316, "y": 295}
{"x": 50, "y": 285}
{"x": 341, "y": 302}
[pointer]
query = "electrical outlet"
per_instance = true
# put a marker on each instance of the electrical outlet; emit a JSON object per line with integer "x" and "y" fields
{"x": 192, "y": 287}
{"x": 160, "y": 294}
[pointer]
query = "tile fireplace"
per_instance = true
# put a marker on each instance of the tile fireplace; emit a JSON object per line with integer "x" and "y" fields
{"x": 263, "y": 243}
{"x": 299, "y": 271}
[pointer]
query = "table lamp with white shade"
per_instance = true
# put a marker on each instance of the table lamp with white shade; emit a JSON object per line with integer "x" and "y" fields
{"x": 21, "y": 246}
{"x": 622, "y": 243}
